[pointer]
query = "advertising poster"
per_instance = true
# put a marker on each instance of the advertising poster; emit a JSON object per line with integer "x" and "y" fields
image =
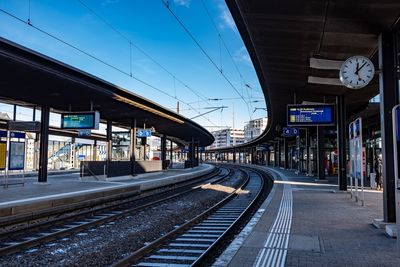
{"x": 358, "y": 149}
{"x": 351, "y": 150}
{"x": 16, "y": 156}
{"x": 3, "y": 152}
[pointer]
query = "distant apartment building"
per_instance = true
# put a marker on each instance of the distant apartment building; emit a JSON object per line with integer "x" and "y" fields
{"x": 254, "y": 128}
{"x": 227, "y": 137}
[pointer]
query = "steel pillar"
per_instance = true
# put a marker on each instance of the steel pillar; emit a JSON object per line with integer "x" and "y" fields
{"x": 389, "y": 95}
{"x": 286, "y": 154}
{"x": 171, "y": 153}
{"x": 320, "y": 153}
{"x": 308, "y": 151}
{"x": 109, "y": 144}
{"x": 164, "y": 151}
{"x": 133, "y": 147}
{"x": 341, "y": 142}
{"x": 279, "y": 154}
{"x": 44, "y": 144}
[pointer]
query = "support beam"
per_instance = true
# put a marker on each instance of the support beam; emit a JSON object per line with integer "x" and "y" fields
{"x": 279, "y": 154}
{"x": 44, "y": 144}
{"x": 308, "y": 171}
{"x": 341, "y": 142}
{"x": 320, "y": 153}
{"x": 164, "y": 151}
{"x": 109, "y": 144}
{"x": 389, "y": 95}
{"x": 133, "y": 147}
{"x": 171, "y": 151}
{"x": 286, "y": 154}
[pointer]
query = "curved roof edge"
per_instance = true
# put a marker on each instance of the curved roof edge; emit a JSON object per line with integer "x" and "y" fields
{"x": 18, "y": 55}
{"x": 243, "y": 30}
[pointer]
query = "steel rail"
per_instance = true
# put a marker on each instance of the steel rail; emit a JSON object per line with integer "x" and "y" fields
{"x": 196, "y": 260}
{"x": 98, "y": 219}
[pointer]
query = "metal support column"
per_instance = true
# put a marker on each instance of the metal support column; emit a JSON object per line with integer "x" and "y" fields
{"x": 286, "y": 154}
{"x": 133, "y": 147}
{"x": 171, "y": 151}
{"x": 341, "y": 142}
{"x": 308, "y": 151}
{"x": 164, "y": 151}
{"x": 320, "y": 153}
{"x": 44, "y": 144}
{"x": 389, "y": 95}
{"x": 276, "y": 154}
{"x": 279, "y": 154}
{"x": 109, "y": 145}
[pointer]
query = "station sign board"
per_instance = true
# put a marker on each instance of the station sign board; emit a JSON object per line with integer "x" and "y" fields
{"x": 84, "y": 133}
{"x": 80, "y": 120}
{"x": 311, "y": 115}
{"x": 143, "y": 133}
{"x": 17, "y": 135}
{"x": 25, "y": 126}
{"x": 16, "y": 156}
{"x": 3, "y": 133}
{"x": 290, "y": 131}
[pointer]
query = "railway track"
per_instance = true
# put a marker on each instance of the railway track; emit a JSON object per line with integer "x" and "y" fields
{"x": 22, "y": 239}
{"x": 194, "y": 242}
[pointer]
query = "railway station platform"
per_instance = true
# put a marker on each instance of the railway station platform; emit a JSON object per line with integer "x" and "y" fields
{"x": 65, "y": 191}
{"x": 304, "y": 222}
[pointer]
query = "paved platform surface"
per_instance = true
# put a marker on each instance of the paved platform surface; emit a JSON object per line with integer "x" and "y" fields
{"x": 63, "y": 185}
{"x": 309, "y": 223}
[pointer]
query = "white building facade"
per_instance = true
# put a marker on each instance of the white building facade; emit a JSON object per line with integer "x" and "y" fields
{"x": 227, "y": 137}
{"x": 254, "y": 128}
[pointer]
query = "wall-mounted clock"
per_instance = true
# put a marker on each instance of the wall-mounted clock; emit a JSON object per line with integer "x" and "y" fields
{"x": 356, "y": 72}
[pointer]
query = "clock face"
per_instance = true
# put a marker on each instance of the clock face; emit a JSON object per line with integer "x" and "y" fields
{"x": 356, "y": 72}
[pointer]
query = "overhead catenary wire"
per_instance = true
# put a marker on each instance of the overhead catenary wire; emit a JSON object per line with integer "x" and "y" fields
{"x": 140, "y": 49}
{"x": 189, "y": 33}
{"x": 96, "y": 58}
{"x": 221, "y": 40}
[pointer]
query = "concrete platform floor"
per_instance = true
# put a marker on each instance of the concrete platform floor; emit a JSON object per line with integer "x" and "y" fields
{"x": 309, "y": 223}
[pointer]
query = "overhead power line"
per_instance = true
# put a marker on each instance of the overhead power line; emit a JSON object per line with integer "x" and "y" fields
{"x": 131, "y": 43}
{"x": 189, "y": 33}
{"x": 96, "y": 58}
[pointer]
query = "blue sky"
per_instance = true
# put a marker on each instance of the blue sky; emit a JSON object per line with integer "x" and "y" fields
{"x": 147, "y": 26}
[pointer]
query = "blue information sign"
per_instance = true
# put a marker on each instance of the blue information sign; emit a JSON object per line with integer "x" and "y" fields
{"x": 3, "y": 133}
{"x": 143, "y": 133}
{"x": 310, "y": 115}
{"x": 290, "y": 131}
{"x": 17, "y": 135}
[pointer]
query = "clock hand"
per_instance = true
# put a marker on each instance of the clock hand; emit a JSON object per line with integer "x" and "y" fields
{"x": 357, "y": 69}
{"x": 362, "y": 65}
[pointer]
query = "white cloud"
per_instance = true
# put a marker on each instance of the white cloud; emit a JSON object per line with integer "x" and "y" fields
{"x": 185, "y": 3}
{"x": 226, "y": 20}
{"x": 242, "y": 55}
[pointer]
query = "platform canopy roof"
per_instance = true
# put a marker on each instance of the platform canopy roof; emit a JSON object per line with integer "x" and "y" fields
{"x": 287, "y": 39}
{"x": 32, "y": 79}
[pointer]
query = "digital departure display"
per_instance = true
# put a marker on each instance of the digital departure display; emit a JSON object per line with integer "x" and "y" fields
{"x": 310, "y": 115}
{"x": 87, "y": 120}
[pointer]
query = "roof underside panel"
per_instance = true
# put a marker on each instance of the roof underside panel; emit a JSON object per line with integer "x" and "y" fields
{"x": 33, "y": 79}
{"x": 282, "y": 35}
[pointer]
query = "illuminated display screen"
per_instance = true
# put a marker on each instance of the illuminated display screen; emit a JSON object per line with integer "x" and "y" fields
{"x": 310, "y": 115}
{"x": 87, "y": 120}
